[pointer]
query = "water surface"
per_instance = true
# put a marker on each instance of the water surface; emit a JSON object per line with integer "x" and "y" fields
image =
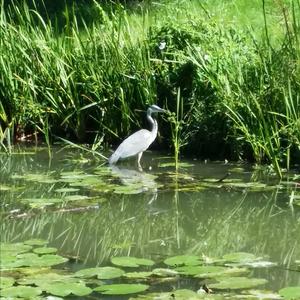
{"x": 155, "y": 213}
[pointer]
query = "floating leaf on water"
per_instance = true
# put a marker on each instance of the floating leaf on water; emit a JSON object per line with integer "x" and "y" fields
{"x": 260, "y": 264}
{"x": 64, "y": 289}
{"x": 36, "y": 177}
{"x": 5, "y": 187}
{"x": 233, "y": 283}
{"x": 198, "y": 270}
{"x": 75, "y": 197}
{"x": 210, "y": 271}
{"x": 6, "y": 282}
{"x": 121, "y": 289}
{"x": 183, "y": 294}
{"x": 240, "y": 257}
{"x": 163, "y": 272}
{"x": 100, "y": 272}
{"x": 129, "y": 261}
{"x": 129, "y": 189}
{"x": 41, "y": 202}
{"x": 14, "y": 248}
{"x": 188, "y": 260}
{"x": 45, "y": 278}
{"x": 45, "y": 250}
{"x": 172, "y": 164}
{"x": 33, "y": 260}
{"x": 260, "y": 294}
{"x": 237, "y": 170}
{"x": 290, "y": 293}
{"x": 20, "y": 291}
{"x": 226, "y": 272}
{"x": 36, "y": 242}
{"x": 138, "y": 275}
{"x": 66, "y": 190}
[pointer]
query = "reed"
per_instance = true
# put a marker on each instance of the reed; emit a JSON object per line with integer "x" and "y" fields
{"x": 234, "y": 86}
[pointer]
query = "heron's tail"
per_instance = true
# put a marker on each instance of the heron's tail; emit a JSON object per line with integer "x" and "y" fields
{"x": 113, "y": 158}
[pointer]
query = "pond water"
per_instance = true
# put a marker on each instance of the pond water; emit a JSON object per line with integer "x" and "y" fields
{"x": 91, "y": 213}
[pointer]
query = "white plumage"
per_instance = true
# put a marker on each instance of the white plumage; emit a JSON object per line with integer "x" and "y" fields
{"x": 139, "y": 141}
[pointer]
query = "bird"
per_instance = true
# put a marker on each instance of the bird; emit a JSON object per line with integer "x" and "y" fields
{"x": 138, "y": 142}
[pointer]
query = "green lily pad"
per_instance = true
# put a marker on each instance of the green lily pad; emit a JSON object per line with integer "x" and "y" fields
{"x": 129, "y": 189}
{"x": 66, "y": 190}
{"x": 260, "y": 294}
{"x": 41, "y": 202}
{"x": 64, "y": 289}
{"x": 198, "y": 270}
{"x": 33, "y": 260}
{"x": 233, "y": 283}
{"x": 188, "y": 260}
{"x": 14, "y": 248}
{"x": 172, "y": 164}
{"x": 36, "y": 242}
{"x": 100, "y": 272}
{"x": 210, "y": 271}
{"x": 75, "y": 197}
{"x": 21, "y": 292}
{"x": 163, "y": 272}
{"x": 6, "y": 282}
{"x": 128, "y": 261}
{"x": 121, "y": 289}
{"x": 239, "y": 257}
{"x": 183, "y": 294}
{"x": 45, "y": 250}
{"x": 45, "y": 279}
{"x": 290, "y": 293}
{"x": 138, "y": 275}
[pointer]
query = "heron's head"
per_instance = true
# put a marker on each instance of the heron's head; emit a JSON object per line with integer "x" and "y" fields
{"x": 155, "y": 109}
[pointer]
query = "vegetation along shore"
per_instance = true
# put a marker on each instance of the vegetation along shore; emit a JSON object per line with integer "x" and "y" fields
{"x": 229, "y": 71}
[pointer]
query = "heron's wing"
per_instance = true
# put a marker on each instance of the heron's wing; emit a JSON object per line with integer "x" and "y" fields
{"x": 134, "y": 144}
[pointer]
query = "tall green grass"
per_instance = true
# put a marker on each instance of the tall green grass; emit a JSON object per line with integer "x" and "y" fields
{"x": 238, "y": 76}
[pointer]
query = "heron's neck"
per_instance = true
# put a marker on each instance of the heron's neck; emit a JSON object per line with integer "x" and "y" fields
{"x": 153, "y": 123}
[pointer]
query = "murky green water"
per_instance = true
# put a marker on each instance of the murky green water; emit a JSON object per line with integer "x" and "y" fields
{"x": 152, "y": 214}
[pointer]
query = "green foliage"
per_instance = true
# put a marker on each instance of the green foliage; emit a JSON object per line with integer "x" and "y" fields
{"x": 80, "y": 73}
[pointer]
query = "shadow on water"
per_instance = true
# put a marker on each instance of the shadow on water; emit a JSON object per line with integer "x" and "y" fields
{"x": 154, "y": 213}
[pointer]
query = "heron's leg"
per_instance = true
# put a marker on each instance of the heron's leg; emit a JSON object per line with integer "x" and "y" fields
{"x": 139, "y": 159}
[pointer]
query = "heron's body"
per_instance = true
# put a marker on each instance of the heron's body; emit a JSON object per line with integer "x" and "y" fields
{"x": 139, "y": 141}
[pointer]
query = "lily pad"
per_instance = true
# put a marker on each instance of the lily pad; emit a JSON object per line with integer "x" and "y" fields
{"x": 121, "y": 289}
{"x": 183, "y": 294}
{"x": 6, "y": 282}
{"x": 128, "y": 261}
{"x": 66, "y": 190}
{"x": 45, "y": 250}
{"x": 210, "y": 271}
{"x": 64, "y": 289}
{"x": 261, "y": 295}
{"x": 100, "y": 272}
{"x": 33, "y": 260}
{"x": 198, "y": 270}
{"x": 46, "y": 278}
{"x": 234, "y": 283}
{"x": 138, "y": 275}
{"x": 36, "y": 242}
{"x": 240, "y": 257}
{"x": 290, "y": 293}
{"x": 21, "y": 291}
{"x": 187, "y": 260}
{"x": 163, "y": 272}
{"x": 75, "y": 197}
{"x": 41, "y": 202}
{"x": 14, "y": 248}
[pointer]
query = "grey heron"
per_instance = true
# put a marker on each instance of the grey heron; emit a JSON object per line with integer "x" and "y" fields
{"x": 139, "y": 141}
